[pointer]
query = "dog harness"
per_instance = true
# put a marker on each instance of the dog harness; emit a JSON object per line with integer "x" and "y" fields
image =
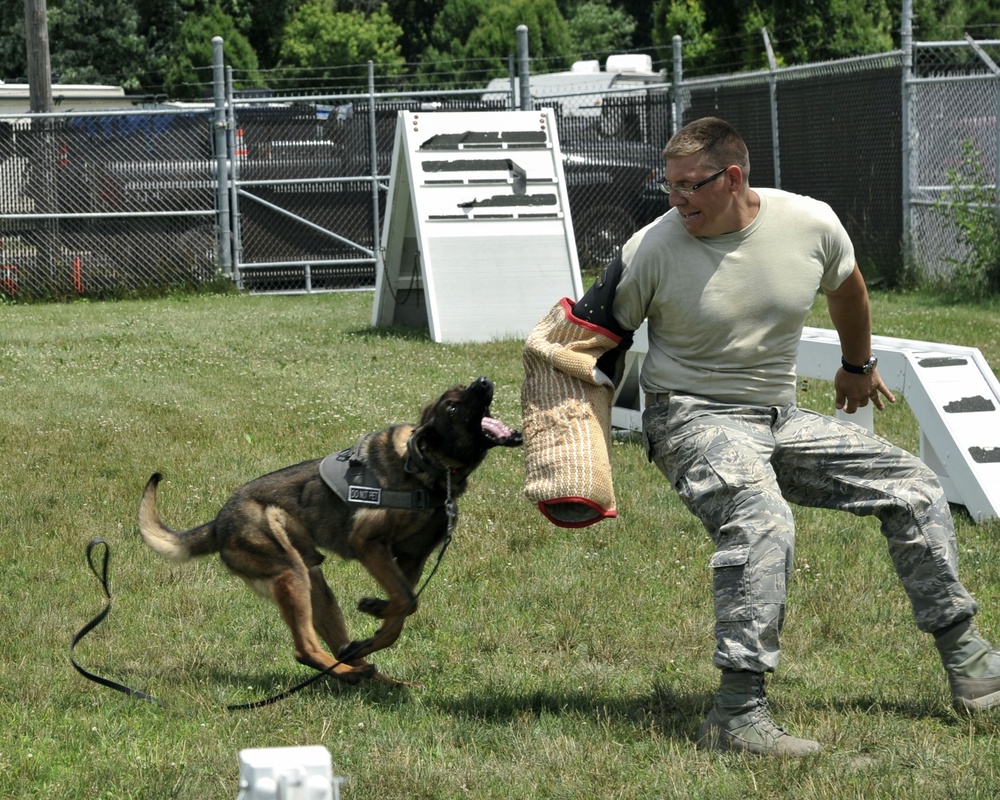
{"x": 351, "y": 480}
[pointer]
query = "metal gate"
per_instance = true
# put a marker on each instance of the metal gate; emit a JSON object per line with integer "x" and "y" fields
{"x": 306, "y": 195}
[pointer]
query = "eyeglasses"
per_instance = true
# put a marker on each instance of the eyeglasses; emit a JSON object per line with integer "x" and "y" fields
{"x": 686, "y": 191}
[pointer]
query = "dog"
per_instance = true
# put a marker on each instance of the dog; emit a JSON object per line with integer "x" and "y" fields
{"x": 399, "y": 484}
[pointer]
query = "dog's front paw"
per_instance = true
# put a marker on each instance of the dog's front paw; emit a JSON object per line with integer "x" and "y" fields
{"x": 373, "y": 606}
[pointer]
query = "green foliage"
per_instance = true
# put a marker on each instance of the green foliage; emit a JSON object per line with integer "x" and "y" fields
{"x": 598, "y": 27}
{"x": 416, "y": 18}
{"x": 939, "y": 19}
{"x": 322, "y": 41}
{"x": 751, "y": 49}
{"x": 267, "y": 25}
{"x": 457, "y": 42}
{"x": 159, "y": 24}
{"x": 971, "y": 204}
{"x": 478, "y": 35}
{"x": 13, "y": 51}
{"x": 684, "y": 18}
{"x": 548, "y": 32}
{"x": 806, "y": 30}
{"x": 726, "y": 35}
{"x": 98, "y": 43}
{"x": 189, "y": 73}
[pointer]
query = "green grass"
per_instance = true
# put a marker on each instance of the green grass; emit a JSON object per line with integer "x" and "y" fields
{"x": 553, "y": 663}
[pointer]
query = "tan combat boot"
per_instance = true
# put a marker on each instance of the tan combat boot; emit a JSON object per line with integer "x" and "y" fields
{"x": 741, "y": 721}
{"x": 973, "y": 667}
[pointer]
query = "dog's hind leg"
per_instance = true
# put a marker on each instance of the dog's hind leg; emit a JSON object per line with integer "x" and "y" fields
{"x": 328, "y": 620}
{"x": 292, "y": 593}
{"x": 283, "y": 576}
{"x": 326, "y": 614}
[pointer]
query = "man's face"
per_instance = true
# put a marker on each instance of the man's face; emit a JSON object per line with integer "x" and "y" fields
{"x": 709, "y": 209}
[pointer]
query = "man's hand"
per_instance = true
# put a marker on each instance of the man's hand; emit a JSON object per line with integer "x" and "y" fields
{"x": 855, "y": 391}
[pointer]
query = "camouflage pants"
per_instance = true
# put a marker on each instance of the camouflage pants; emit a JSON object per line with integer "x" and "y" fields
{"x": 738, "y": 467}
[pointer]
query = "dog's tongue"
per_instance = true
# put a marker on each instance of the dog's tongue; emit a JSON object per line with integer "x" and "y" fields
{"x": 495, "y": 429}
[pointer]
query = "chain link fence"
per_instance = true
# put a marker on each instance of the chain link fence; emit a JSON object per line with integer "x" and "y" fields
{"x": 956, "y": 149}
{"x": 822, "y": 145}
{"x": 105, "y": 203}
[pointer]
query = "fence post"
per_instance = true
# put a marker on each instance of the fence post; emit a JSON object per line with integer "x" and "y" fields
{"x": 512, "y": 73}
{"x": 373, "y": 157}
{"x": 678, "y": 120}
{"x": 522, "y": 67}
{"x": 222, "y": 157}
{"x": 234, "y": 202}
{"x": 772, "y": 80}
{"x": 906, "y": 138}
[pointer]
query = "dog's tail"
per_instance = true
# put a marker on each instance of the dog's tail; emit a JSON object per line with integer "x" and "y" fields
{"x": 173, "y": 545}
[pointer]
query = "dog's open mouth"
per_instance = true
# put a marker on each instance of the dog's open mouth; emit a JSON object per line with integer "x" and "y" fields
{"x": 499, "y": 434}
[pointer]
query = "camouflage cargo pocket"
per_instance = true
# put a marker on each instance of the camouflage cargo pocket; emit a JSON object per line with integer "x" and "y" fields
{"x": 730, "y": 581}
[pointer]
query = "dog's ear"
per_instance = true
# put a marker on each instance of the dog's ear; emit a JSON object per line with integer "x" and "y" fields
{"x": 427, "y": 415}
{"x": 431, "y": 410}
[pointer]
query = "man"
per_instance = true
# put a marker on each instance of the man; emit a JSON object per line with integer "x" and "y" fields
{"x": 726, "y": 279}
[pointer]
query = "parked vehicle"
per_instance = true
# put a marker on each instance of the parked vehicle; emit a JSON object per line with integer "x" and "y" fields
{"x": 582, "y": 90}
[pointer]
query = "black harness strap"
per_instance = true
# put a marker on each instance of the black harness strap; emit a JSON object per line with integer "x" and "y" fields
{"x": 351, "y": 480}
{"x": 102, "y": 576}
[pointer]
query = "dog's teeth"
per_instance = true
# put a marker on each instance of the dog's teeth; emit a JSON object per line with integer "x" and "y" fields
{"x": 496, "y": 428}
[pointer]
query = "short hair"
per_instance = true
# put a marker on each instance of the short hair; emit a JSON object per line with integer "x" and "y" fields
{"x": 718, "y": 142}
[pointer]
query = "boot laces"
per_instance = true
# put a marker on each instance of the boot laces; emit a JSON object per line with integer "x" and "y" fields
{"x": 762, "y": 719}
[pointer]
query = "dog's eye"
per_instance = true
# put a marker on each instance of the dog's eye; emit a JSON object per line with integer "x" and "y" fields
{"x": 452, "y": 408}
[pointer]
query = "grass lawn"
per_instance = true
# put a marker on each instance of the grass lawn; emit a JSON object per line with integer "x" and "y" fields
{"x": 551, "y": 663}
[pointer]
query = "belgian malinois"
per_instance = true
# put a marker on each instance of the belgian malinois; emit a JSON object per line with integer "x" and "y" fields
{"x": 397, "y": 507}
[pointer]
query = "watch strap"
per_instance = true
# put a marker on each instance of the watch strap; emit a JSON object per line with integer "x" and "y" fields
{"x": 864, "y": 369}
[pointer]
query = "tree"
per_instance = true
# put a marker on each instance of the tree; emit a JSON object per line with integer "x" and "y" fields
{"x": 475, "y": 37}
{"x": 95, "y": 42}
{"x": 267, "y": 21}
{"x": 13, "y": 55}
{"x": 725, "y": 35}
{"x": 190, "y": 69}
{"x": 687, "y": 19}
{"x": 159, "y": 25}
{"x": 333, "y": 46}
{"x": 806, "y": 30}
{"x": 417, "y": 18}
{"x": 598, "y": 27}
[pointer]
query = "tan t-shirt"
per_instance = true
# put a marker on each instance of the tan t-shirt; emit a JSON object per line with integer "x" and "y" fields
{"x": 725, "y": 313}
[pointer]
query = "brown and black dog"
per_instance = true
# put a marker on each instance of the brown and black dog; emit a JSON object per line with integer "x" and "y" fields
{"x": 270, "y": 531}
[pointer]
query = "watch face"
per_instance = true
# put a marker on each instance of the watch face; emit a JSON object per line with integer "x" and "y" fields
{"x": 870, "y": 366}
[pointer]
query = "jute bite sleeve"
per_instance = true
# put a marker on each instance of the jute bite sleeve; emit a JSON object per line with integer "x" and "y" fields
{"x": 571, "y": 365}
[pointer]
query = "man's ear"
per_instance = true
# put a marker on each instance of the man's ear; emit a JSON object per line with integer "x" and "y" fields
{"x": 736, "y": 177}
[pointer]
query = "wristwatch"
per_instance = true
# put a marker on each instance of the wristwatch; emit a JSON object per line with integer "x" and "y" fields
{"x": 865, "y": 369}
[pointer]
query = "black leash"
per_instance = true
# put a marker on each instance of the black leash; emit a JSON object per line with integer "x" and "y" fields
{"x": 345, "y": 655}
{"x": 102, "y": 576}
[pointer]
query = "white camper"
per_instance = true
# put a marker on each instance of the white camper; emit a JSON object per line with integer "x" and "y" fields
{"x": 582, "y": 90}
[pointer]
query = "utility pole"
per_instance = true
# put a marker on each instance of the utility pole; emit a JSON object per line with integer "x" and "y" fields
{"x": 42, "y": 163}
{"x": 36, "y": 25}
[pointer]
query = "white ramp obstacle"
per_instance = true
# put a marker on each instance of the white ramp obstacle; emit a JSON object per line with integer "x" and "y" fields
{"x": 478, "y": 237}
{"x": 953, "y": 393}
